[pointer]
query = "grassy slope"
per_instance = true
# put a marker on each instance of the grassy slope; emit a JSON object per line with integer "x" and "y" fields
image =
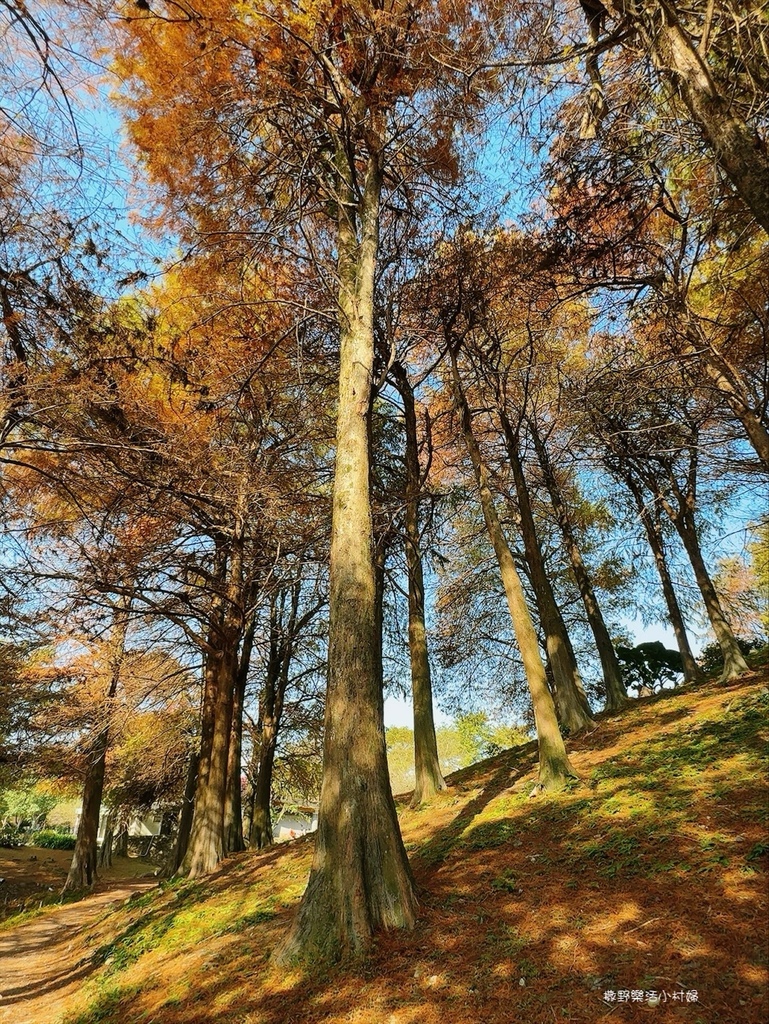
{"x": 651, "y": 875}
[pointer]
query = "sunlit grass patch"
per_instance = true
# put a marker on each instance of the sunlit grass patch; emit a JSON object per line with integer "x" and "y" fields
{"x": 504, "y": 942}
{"x": 52, "y": 902}
{"x": 653, "y": 865}
{"x": 107, "y": 1002}
{"x": 506, "y": 882}
{"x": 490, "y": 834}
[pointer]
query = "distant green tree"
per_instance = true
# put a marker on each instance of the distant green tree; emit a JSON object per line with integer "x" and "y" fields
{"x": 650, "y": 665}
{"x": 712, "y": 660}
{"x": 481, "y": 738}
{"x": 470, "y": 738}
{"x": 27, "y": 804}
{"x": 400, "y": 758}
{"x": 759, "y": 556}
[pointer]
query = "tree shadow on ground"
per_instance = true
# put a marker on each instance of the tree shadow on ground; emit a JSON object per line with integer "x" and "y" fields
{"x": 653, "y": 881}
{"x": 438, "y": 848}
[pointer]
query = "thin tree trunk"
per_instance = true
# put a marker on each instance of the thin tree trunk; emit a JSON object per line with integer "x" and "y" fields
{"x": 186, "y": 813}
{"x": 282, "y": 636}
{"x": 261, "y": 819}
{"x": 728, "y": 380}
{"x": 251, "y": 775}
{"x": 573, "y": 708}
{"x": 83, "y": 869}
{"x": 679, "y": 504}
{"x": 260, "y": 834}
{"x": 381, "y": 545}
{"x": 756, "y": 431}
{"x": 233, "y": 807}
{"x": 616, "y": 693}
{"x": 14, "y": 366}
{"x": 120, "y": 842}
{"x": 105, "y": 850}
{"x": 360, "y": 879}
{"x": 429, "y": 778}
{"x": 692, "y": 671}
{"x": 554, "y": 767}
{"x": 734, "y": 662}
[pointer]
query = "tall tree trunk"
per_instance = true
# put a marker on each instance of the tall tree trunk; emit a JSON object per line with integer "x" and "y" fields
{"x": 260, "y": 832}
{"x": 120, "y": 842}
{"x": 679, "y": 503}
{"x": 734, "y": 662}
{"x": 251, "y": 775}
{"x": 82, "y": 872}
{"x": 692, "y": 671}
{"x": 233, "y": 807}
{"x": 83, "y": 869}
{"x": 616, "y": 694}
{"x": 283, "y": 633}
{"x": 261, "y": 835}
{"x": 360, "y": 878}
{"x": 738, "y": 149}
{"x": 726, "y": 378}
{"x": 725, "y": 382}
{"x": 429, "y": 778}
{"x": 14, "y": 366}
{"x": 105, "y": 850}
{"x": 206, "y": 845}
{"x": 554, "y": 767}
{"x": 573, "y": 708}
{"x": 185, "y": 815}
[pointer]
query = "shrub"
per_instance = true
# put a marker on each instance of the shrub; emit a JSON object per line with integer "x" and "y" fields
{"x": 11, "y": 835}
{"x": 712, "y": 660}
{"x": 50, "y": 839}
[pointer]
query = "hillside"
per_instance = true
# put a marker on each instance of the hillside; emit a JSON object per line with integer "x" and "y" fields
{"x": 650, "y": 876}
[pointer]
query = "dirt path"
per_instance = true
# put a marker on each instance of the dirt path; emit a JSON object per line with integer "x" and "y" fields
{"x": 42, "y": 963}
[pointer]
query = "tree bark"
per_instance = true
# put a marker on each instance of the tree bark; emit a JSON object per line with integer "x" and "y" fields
{"x": 105, "y": 850}
{"x": 14, "y": 366}
{"x": 679, "y": 503}
{"x": 233, "y": 806}
{"x": 573, "y": 708}
{"x": 186, "y": 813}
{"x": 83, "y": 869}
{"x": 248, "y": 804}
{"x": 429, "y": 778}
{"x": 270, "y": 707}
{"x": 616, "y": 693}
{"x": 120, "y": 842}
{"x": 206, "y": 845}
{"x": 692, "y": 671}
{"x": 734, "y": 662}
{"x": 283, "y": 634}
{"x": 738, "y": 149}
{"x": 554, "y": 767}
{"x": 728, "y": 380}
{"x": 261, "y": 835}
{"x": 360, "y": 878}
